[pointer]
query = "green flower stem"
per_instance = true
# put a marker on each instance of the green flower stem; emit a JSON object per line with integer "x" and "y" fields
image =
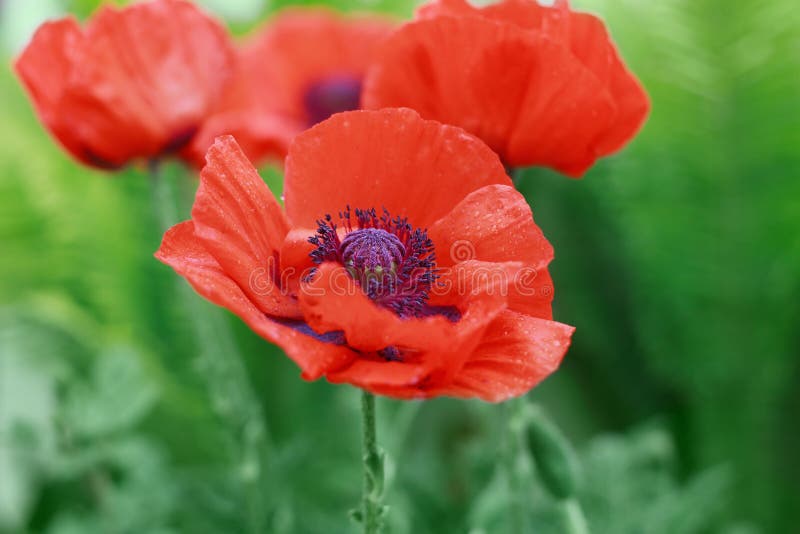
{"x": 512, "y": 453}
{"x": 221, "y": 365}
{"x": 372, "y": 510}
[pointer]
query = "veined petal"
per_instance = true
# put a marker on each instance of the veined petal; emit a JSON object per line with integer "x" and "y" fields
{"x": 388, "y": 159}
{"x": 517, "y": 352}
{"x": 242, "y": 225}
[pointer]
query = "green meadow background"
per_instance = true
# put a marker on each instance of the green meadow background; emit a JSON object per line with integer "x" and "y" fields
{"x": 678, "y": 261}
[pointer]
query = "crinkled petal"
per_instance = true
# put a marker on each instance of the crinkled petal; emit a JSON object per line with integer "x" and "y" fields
{"x": 260, "y": 135}
{"x": 495, "y": 224}
{"x": 592, "y": 44}
{"x": 333, "y": 302}
{"x": 370, "y": 374}
{"x": 516, "y": 353}
{"x": 182, "y": 251}
{"x": 44, "y": 67}
{"x": 552, "y": 21}
{"x": 527, "y": 289}
{"x": 385, "y": 159}
{"x": 241, "y": 224}
{"x": 45, "y": 64}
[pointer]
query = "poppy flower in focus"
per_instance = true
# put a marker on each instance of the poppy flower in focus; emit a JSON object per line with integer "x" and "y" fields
{"x": 404, "y": 263}
{"x": 540, "y": 85}
{"x": 302, "y": 67}
{"x": 133, "y": 83}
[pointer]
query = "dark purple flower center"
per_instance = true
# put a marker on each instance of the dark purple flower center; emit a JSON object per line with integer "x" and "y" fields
{"x": 331, "y": 95}
{"x": 393, "y": 263}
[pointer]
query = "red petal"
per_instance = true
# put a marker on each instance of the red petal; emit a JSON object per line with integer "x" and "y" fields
{"x": 592, "y": 44}
{"x": 457, "y": 285}
{"x": 241, "y": 224}
{"x": 182, "y": 251}
{"x": 333, "y": 302}
{"x": 260, "y": 135}
{"x": 516, "y": 353}
{"x": 389, "y": 158}
{"x": 296, "y": 263}
{"x": 371, "y": 374}
{"x": 44, "y": 67}
{"x": 553, "y": 21}
{"x": 495, "y": 224}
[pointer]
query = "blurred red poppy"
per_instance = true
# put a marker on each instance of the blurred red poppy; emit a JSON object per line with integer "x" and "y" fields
{"x": 540, "y": 85}
{"x": 300, "y": 68}
{"x": 135, "y": 82}
{"x": 404, "y": 263}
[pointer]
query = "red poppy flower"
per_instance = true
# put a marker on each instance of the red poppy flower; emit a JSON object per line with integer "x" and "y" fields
{"x": 405, "y": 263}
{"x": 540, "y": 85}
{"x": 302, "y": 67}
{"x": 133, "y": 83}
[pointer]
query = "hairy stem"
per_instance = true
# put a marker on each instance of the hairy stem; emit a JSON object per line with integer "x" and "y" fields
{"x": 371, "y": 506}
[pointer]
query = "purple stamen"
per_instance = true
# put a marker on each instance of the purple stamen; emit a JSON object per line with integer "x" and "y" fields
{"x": 393, "y": 263}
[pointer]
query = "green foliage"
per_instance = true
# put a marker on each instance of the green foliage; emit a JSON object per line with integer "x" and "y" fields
{"x": 631, "y": 486}
{"x": 678, "y": 259}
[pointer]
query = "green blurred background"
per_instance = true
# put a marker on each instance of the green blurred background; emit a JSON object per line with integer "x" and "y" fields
{"x": 678, "y": 261}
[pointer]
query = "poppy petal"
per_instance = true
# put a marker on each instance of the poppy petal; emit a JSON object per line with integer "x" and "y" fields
{"x": 44, "y": 67}
{"x": 516, "y": 353}
{"x": 553, "y": 21}
{"x": 295, "y": 254}
{"x": 370, "y": 374}
{"x": 333, "y": 302}
{"x": 385, "y": 159}
{"x": 45, "y": 64}
{"x": 493, "y": 223}
{"x": 527, "y": 289}
{"x": 184, "y": 252}
{"x": 241, "y": 224}
{"x": 592, "y": 44}
{"x": 260, "y": 135}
